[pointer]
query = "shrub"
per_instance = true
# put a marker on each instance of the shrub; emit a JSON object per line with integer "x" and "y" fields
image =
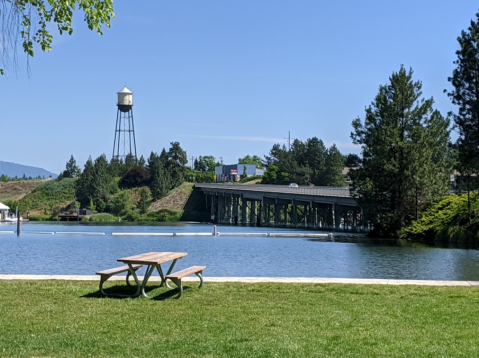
{"x": 446, "y": 220}
{"x": 135, "y": 177}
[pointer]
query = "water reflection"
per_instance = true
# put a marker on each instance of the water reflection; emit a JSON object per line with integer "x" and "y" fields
{"x": 347, "y": 256}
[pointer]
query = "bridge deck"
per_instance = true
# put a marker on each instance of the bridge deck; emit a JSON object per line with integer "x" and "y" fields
{"x": 342, "y": 192}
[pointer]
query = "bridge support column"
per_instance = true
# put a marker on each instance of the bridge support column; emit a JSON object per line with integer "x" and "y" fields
{"x": 213, "y": 205}
{"x": 228, "y": 209}
{"x": 252, "y": 212}
{"x": 286, "y": 215}
{"x": 244, "y": 209}
{"x": 277, "y": 214}
{"x": 235, "y": 210}
{"x": 337, "y": 217}
{"x": 221, "y": 209}
{"x": 267, "y": 214}
{"x": 294, "y": 214}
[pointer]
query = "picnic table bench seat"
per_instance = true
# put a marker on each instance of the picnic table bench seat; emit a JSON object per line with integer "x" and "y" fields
{"x": 106, "y": 274}
{"x": 177, "y": 276}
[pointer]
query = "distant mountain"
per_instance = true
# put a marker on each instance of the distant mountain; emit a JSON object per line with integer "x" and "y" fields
{"x": 13, "y": 170}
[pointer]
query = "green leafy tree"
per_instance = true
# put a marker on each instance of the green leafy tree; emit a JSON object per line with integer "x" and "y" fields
{"x": 270, "y": 175}
{"x": 465, "y": 95}
{"x": 248, "y": 159}
{"x": 206, "y": 163}
{"x": 405, "y": 148}
{"x": 31, "y": 22}
{"x": 135, "y": 177}
{"x": 91, "y": 206}
{"x": 120, "y": 203}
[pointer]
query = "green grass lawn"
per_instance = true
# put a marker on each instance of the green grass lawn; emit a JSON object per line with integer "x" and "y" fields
{"x": 69, "y": 319}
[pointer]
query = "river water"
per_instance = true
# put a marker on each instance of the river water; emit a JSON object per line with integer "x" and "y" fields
{"x": 236, "y": 255}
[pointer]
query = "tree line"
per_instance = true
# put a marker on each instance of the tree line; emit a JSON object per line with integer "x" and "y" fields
{"x": 305, "y": 163}
{"x": 102, "y": 185}
{"x": 407, "y": 156}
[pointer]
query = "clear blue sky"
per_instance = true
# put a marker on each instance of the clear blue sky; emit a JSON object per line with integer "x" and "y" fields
{"x": 224, "y": 78}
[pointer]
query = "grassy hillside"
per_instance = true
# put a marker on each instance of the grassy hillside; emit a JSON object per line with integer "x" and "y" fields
{"x": 15, "y": 190}
{"x": 50, "y": 197}
{"x": 45, "y": 198}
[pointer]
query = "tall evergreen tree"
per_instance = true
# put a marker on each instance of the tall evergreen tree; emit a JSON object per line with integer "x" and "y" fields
{"x": 333, "y": 173}
{"x": 465, "y": 95}
{"x": 144, "y": 201}
{"x": 141, "y": 161}
{"x": 159, "y": 184}
{"x": 316, "y": 155}
{"x": 72, "y": 170}
{"x": 83, "y": 186}
{"x": 102, "y": 181}
{"x": 404, "y": 144}
{"x": 176, "y": 164}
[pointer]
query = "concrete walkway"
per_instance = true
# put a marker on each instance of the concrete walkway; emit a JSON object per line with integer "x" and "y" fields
{"x": 310, "y": 280}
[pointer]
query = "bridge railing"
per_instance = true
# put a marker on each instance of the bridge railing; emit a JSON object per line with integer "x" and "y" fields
{"x": 302, "y": 190}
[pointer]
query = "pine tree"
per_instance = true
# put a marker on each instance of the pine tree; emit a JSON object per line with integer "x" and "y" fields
{"x": 72, "y": 170}
{"x": 159, "y": 183}
{"x": 144, "y": 201}
{"x": 465, "y": 95}
{"x": 316, "y": 155}
{"x": 83, "y": 186}
{"x": 404, "y": 144}
{"x": 333, "y": 172}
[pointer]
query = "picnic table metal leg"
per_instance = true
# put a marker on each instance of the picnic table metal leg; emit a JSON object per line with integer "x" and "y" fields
{"x": 180, "y": 286}
{"x": 145, "y": 280}
{"x": 102, "y": 281}
{"x": 132, "y": 272}
{"x": 169, "y": 271}
{"x": 200, "y": 275}
{"x": 160, "y": 271}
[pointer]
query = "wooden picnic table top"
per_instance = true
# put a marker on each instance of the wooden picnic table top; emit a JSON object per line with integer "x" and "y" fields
{"x": 153, "y": 258}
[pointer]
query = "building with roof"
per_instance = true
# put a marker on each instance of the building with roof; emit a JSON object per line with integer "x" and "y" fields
{"x": 236, "y": 172}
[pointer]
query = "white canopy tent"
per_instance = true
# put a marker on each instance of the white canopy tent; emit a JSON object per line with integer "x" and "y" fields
{"x": 3, "y": 211}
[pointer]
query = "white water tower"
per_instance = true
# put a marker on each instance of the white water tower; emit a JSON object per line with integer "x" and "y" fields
{"x": 124, "y": 145}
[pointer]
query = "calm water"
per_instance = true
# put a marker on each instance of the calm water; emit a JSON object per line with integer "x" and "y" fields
{"x": 227, "y": 255}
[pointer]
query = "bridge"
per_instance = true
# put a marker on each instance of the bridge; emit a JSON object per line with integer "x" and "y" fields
{"x": 331, "y": 208}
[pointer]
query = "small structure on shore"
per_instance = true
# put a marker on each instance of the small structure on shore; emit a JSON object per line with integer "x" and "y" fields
{"x": 3, "y": 211}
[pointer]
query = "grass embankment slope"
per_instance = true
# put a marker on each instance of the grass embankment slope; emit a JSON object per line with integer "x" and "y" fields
{"x": 69, "y": 319}
{"x": 186, "y": 201}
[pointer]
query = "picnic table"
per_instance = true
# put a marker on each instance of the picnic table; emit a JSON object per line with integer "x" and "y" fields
{"x": 154, "y": 261}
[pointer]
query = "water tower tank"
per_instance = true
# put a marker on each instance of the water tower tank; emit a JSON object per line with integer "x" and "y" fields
{"x": 125, "y": 99}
